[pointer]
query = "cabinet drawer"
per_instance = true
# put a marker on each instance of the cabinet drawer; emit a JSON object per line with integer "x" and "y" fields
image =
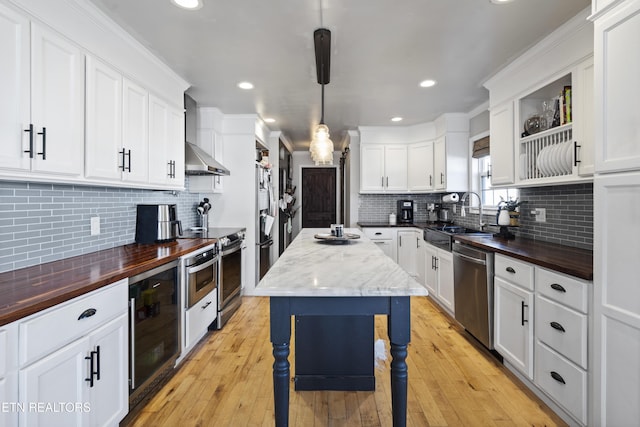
{"x": 200, "y": 316}
{"x": 514, "y": 271}
{"x": 562, "y": 288}
{"x": 562, "y": 329}
{"x": 379, "y": 233}
{"x": 51, "y": 329}
{"x": 572, "y": 394}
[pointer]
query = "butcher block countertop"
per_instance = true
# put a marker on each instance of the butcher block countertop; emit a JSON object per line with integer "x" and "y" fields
{"x": 29, "y": 290}
{"x": 565, "y": 259}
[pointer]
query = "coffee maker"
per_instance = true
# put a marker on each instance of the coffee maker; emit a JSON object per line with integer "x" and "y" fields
{"x": 405, "y": 211}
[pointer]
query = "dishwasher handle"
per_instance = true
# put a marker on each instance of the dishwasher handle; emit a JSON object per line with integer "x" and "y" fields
{"x": 470, "y": 259}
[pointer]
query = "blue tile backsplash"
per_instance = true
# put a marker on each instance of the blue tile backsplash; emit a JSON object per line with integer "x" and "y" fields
{"x": 569, "y": 213}
{"x": 48, "y": 222}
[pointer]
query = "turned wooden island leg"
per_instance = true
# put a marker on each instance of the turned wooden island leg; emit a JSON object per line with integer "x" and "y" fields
{"x": 399, "y": 326}
{"x": 280, "y": 338}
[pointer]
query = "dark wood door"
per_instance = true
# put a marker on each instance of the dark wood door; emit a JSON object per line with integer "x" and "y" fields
{"x": 318, "y": 197}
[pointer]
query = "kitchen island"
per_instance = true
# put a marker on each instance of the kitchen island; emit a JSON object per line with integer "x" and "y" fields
{"x": 319, "y": 278}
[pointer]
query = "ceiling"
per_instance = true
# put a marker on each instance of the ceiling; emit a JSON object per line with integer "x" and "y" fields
{"x": 381, "y": 51}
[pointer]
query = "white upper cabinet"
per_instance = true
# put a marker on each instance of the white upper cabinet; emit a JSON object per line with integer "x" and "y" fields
{"x": 542, "y": 109}
{"x": 166, "y": 144}
{"x": 57, "y": 103}
{"x": 42, "y": 110}
{"x": 383, "y": 167}
{"x": 617, "y": 89}
{"x": 420, "y": 166}
{"x": 104, "y": 121}
{"x": 15, "y": 89}
{"x": 117, "y": 126}
{"x": 501, "y": 124}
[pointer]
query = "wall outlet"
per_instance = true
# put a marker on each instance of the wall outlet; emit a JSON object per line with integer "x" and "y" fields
{"x": 95, "y": 225}
{"x": 541, "y": 215}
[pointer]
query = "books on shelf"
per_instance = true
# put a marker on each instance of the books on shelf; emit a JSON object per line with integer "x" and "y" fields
{"x": 564, "y": 104}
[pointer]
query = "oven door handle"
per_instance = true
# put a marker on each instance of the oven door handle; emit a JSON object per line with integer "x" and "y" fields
{"x": 197, "y": 268}
{"x": 229, "y": 251}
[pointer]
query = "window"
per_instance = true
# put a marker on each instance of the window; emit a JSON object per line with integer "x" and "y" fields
{"x": 491, "y": 197}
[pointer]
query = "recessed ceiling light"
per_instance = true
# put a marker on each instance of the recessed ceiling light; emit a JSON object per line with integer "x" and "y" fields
{"x": 270, "y": 120}
{"x": 188, "y": 4}
{"x": 501, "y": 1}
{"x": 245, "y": 85}
{"x": 396, "y": 119}
{"x": 427, "y": 83}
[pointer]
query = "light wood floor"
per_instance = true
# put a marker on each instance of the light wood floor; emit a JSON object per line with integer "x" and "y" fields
{"x": 226, "y": 381}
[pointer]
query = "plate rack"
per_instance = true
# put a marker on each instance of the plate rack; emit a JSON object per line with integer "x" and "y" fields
{"x": 547, "y": 154}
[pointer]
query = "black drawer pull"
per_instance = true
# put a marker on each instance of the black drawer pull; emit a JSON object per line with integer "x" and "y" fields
{"x": 30, "y": 150}
{"x": 557, "y": 326}
{"x": 87, "y": 313}
{"x": 558, "y": 287}
{"x": 44, "y": 143}
{"x": 206, "y": 305}
{"x": 510, "y": 270}
{"x": 556, "y": 376}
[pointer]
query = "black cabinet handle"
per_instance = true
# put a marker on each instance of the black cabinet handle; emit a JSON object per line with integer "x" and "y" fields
{"x": 206, "y": 305}
{"x": 122, "y": 154}
{"x": 558, "y": 287}
{"x": 400, "y": 241}
{"x": 556, "y": 376}
{"x": 441, "y": 178}
{"x": 557, "y": 326}
{"x": 87, "y": 313}
{"x": 378, "y": 233}
{"x": 430, "y": 180}
{"x": 97, "y": 362}
{"x": 575, "y": 153}
{"x": 522, "y": 307}
{"x": 91, "y": 368}
{"x": 44, "y": 143}
{"x": 129, "y": 161}
{"x": 417, "y": 242}
{"x": 510, "y": 270}
{"x": 489, "y": 171}
{"x": 436, "y": 259}
{"x": 30, "y": 150}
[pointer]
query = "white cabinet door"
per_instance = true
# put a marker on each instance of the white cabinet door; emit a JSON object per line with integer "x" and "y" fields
{"x": 420, "y": 166}
{"x": 440, "y": 163}
{"x": 513, "y": 323}
{"x": 57, "y": 103}
{"x": 616, "y": 89}
{"x": 175, "y": 148}
{"x": 395, "y": 167}
{"x": 616, "y": 299}
{"x": 104, "y": 159}
{"x": 372, "y": 167}
{"x": 15, "y": 90}
{"x": 59, "y": 377}
{"x": 445, "y": 279}
{"x": 502, "y": 144}
{"x": 109, "y": 395}
{"x": 583, "y": 118}
{"x": 166, "y": 144}
{"x": 431, "y": 272}
{"x": 408, "y": 251}
{"x": 135, "y": 132}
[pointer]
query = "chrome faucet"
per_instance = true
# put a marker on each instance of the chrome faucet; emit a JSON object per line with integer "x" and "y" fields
{"x": 464, "y": 198}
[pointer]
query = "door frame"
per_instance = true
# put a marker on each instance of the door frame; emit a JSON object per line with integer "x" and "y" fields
{"x": 337, "y": 174}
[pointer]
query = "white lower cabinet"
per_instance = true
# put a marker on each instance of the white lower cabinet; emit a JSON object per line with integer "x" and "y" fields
{"x": 541, "y": 329}
{"x": 439, "y": 275}
{"x": 408, "y": 248}
{"x": 513, "y": 311}
{"x": 8, "y": 374}
{"x": 198, "y": 318}
{"x": 83, "y": 379}
{"x": 385, "y": 239}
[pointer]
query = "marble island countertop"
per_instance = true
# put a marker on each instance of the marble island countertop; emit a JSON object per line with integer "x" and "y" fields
{"x": 310, "y": 267}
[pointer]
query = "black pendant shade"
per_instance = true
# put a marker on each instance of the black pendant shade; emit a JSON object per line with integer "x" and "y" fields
{"x": 322, "y": 42}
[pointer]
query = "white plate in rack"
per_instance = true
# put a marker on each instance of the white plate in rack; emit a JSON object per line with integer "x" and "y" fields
{"x": 542, "y": 161}
{"x": 568, "y": 156}
{"x": 554, "y": 164}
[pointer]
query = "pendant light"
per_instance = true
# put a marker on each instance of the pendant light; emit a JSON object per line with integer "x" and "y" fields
{"x": 321, "y": 147}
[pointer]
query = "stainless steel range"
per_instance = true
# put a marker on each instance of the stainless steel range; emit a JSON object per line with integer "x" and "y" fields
{"x": 231, "y": 271}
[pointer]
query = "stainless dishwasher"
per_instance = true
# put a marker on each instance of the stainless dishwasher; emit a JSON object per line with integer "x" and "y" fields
{"x": 473, "y": 291}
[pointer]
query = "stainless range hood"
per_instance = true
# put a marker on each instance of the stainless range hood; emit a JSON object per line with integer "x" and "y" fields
{"x": 197, "y": 162}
